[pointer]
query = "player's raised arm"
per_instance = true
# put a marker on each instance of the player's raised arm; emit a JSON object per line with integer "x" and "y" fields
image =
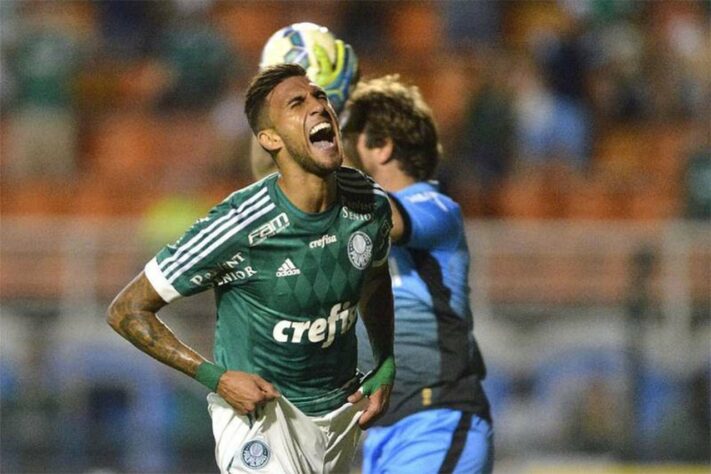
{"x": 133, "y": 314}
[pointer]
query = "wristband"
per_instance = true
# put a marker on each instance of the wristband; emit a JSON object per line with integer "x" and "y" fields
{"x": 209, "y": 375}
{"x": 383, "y": 375}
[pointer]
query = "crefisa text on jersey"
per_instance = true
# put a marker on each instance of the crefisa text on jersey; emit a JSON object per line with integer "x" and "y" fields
{"x": 323, "y": 241}
{"x": 320, "y": 329}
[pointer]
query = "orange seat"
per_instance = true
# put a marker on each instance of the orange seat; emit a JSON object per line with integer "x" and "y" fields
{"x": 248, "y": 25}
{"x": 649, "y": 202}
{"x": 415, "y": 29}
{"x": 591, "y": 198}
{"x": 123, "y": 145}
{"x": 523, "y": 197}
{"x": 37, "y": 197}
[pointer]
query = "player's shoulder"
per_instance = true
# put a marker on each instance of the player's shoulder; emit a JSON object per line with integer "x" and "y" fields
{"x": 246, "y": 208}
{"x": 360, "y": 189}
{"x": 255, "y": 193}
{"x": 426, "y": 197}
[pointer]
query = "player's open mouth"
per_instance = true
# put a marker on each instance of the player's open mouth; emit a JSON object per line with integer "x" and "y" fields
{"x": 322, "y": 135}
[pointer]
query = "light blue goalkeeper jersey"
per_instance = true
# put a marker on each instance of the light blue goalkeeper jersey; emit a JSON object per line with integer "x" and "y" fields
{"x": 438, "y": 360}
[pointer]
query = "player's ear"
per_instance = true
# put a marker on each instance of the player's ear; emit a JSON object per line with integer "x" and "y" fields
{"x": 270, "y": 140}
{"x": 386, "y": 151}
{"x": 380, "y": 153}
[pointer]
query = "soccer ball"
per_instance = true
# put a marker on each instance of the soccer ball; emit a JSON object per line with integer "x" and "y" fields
{"x": 295, "y": 44}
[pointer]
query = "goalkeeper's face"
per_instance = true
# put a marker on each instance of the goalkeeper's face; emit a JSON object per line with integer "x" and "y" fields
{"x": 306, "y": 125}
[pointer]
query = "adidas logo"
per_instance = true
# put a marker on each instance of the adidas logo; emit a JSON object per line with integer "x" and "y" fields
{"x": 287, "y": 269}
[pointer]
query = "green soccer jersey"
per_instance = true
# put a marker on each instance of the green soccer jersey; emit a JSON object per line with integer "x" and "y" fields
{"x": 287, "y": 283}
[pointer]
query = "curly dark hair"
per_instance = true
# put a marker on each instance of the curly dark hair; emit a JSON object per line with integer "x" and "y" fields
{"x": 260, "y": 87}
{"x": 385, "y": 107}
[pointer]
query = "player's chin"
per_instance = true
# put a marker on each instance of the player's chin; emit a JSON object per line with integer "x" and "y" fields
{"x": 327, "y": 158}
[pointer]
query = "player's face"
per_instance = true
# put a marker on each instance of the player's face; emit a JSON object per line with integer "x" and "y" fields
{"x": 306, "y": 123}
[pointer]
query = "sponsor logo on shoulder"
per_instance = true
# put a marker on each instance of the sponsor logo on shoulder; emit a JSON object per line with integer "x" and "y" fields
{"x": 230, "y": 271}
{"x": 360, "y": 250}
{"x": 255, "y": 454}
{"x": 348, "y": 213}
{"x": 323, "y": 241}
{"x": 273, "y": 227}
{"x": 287, "y": 269}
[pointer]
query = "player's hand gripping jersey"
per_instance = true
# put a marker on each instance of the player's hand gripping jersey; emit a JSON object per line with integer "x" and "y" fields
{"x": 438, "y": 360}
{"x": 286, "y": 301}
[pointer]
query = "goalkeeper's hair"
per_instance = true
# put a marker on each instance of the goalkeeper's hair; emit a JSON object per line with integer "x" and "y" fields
{"x": 386, "y": 107}
{"x": 261, "y": 86}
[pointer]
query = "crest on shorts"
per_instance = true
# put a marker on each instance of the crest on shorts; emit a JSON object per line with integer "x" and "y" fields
{"x": 360, "y": 250}
{"x": 255, "y": 454}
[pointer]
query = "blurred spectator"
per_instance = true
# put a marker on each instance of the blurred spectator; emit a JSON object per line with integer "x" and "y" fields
{"x": 365, "y": 25}
{"x": 7, "y": 86}
{"x": 595, "y": 424}
{"x": 485, "y": 145}
{"x": 233, "y": 135}
{"x": 42, "y": 133}
{"x": 472, "y": 24}
{"x": 698, "y": 185}
{"x": 678, "y": 62}
{"x": 563, "y": 58}
{"x": 8, "y": 34}
{"x": 685, "y": 431}
{"x": 550, "y": 128}
{"x": 617, "y": 85}
{"x": 597, "y": 11}
{"x": 201, "y": 65}
{"x": 129, "y": 29}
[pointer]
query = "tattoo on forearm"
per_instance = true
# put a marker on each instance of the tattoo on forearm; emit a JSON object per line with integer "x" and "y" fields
{"x": 134, "y": 310}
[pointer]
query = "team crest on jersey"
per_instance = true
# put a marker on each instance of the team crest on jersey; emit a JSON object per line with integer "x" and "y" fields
{"x": 255, "y": 454}
{"x": 360, "y": 250}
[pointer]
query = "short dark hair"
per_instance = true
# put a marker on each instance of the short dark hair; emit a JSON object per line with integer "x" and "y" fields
{"x": 386, "y": 107}
{"x": 260, "y": 87}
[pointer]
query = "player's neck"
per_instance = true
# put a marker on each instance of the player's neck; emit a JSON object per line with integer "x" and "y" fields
{"x": 309, "y": 192}
{"x": 393, "y": 180}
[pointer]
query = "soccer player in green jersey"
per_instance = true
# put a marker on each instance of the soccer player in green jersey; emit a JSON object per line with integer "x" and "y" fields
{"x": 290, "y": 259}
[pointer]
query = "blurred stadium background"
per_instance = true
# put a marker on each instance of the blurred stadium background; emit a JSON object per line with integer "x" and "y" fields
{"x": 576, "y": 137}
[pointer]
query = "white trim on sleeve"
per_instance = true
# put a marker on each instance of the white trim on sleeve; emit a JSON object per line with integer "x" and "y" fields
{"x": 160, "y": 283}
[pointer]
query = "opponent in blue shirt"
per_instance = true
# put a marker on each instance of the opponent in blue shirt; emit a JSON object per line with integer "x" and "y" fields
{"x": 439, "y": 418}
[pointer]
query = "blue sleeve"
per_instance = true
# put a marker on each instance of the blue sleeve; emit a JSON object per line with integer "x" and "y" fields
{"x": 429, "y": 224}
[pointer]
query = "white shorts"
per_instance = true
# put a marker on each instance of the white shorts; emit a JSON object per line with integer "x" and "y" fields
{"x": 284, "y": 440}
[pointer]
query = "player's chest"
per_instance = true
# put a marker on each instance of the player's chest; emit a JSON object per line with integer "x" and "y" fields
{"x": 296, "y": 268}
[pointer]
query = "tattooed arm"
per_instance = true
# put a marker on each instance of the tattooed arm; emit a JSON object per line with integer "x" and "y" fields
{"x": 132, "y": 314}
